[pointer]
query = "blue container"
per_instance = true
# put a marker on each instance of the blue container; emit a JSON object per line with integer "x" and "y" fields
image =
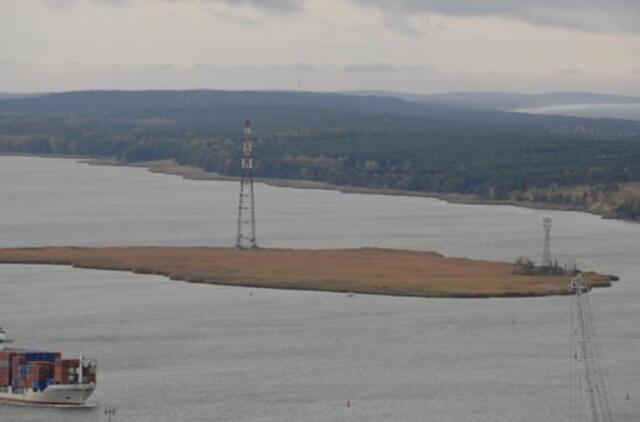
{"x": 40, "y": 356}
{"x": 39, "y": 385}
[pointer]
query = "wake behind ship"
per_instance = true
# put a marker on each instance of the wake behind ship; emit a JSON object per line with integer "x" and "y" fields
{"x": 44, "y": 378}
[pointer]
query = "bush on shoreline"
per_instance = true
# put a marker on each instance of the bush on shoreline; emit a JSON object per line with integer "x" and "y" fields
{"x": 525, "y": 266}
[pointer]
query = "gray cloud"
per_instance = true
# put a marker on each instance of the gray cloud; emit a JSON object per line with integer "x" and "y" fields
{"x": 273, "y": 5}
{"x": 73, "y": 63}
{"x": 60, "y": 4}
{"x": 165, "y": 66}
{"x": 369, "y": 68}
{"x": 299, "y": 68}
{"x": 114, "y": 3}
{"x": 381, "y": 68}
{"x": 621, "y": 16}
{"x": 294, "y": 67}
{"x": 277, "y": 5}
{"x": 397, "y": 22}
{"x": 70, "y": 4}
{"x": 584, "y": 15}
{"x": 13, "y": 63}
{"x": 571, "y": 72}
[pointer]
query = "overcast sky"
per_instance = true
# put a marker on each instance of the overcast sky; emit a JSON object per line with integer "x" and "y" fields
{"x": 418, "y": 46}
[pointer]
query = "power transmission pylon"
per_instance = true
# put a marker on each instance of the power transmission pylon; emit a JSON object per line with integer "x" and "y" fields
{"x": 593, "y": 381}
{"x": 546, "y": 250}
{"x": 109, "y": 412}
{"x": 246, "y": 236}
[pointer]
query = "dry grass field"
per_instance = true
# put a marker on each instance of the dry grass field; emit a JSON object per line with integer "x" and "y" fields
{"x": 367, "y": 270}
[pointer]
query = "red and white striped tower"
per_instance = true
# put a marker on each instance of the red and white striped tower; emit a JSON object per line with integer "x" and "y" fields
{"x": 246, "y": 237}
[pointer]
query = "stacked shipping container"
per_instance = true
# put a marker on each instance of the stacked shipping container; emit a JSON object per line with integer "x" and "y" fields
{"x": 5, "y": 368}
{"x": 38, "y": 374}
{"x": 18, "y": 370}
{"x": 36, "y": 370}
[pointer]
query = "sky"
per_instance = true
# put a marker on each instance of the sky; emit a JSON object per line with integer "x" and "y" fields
{"x": 419, "y": 46}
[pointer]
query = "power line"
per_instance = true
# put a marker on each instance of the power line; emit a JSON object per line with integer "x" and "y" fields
{"x": 588, "y": 354}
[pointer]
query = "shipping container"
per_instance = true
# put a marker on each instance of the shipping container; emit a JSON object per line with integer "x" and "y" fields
{"x": 5, "y": 377}
{"x": 41, "y": 356}
{"x": 38, "y": 385}
{"x": 67, "y": 362}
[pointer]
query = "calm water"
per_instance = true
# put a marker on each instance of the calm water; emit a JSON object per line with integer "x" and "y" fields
{"x": 615, "y": 111}
{"x": 171, "y": 351}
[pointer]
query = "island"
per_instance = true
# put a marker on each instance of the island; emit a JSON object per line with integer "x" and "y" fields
{"x": 364, "y": 270}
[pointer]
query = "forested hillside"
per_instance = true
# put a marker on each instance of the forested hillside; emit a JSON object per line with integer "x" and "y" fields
{"x": 340, "y": 139}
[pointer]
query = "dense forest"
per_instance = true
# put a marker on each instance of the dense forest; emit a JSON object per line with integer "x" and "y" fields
{"x": 340, "y": 139}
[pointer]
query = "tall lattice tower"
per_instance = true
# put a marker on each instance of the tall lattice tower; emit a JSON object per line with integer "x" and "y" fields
{"x": 246, "y": 237}
{"x": 546, "y": 250}
{"x": 591, "y": 398}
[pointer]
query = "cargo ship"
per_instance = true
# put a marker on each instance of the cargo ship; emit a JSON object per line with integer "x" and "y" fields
{"x": 33, "y": 377}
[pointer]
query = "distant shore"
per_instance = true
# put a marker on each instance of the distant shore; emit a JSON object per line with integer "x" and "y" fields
{"x": 366, "y": 270}
{"x": 195, "y": 173}
{"x": 170, "y": 167}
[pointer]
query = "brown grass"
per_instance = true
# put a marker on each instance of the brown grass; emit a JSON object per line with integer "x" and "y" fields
{"x": 367, "y": 270}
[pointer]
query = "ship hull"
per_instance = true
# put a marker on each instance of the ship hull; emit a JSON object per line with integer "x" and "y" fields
{"x": 72, "y": 395}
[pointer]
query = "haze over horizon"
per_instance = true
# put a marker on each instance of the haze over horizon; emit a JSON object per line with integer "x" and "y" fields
{"x": 321, "y": 45}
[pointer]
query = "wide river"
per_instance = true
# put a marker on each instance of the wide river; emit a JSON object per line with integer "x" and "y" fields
{"x": 173, "y": 351}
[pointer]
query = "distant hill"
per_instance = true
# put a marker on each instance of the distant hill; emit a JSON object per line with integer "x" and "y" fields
{"x": 222, "y": 110}
{"x": 10, "y": 95}
{"x": 504, "y": 101}
{"x": 372, "y": 141}
{"x": 283, "y": 110}
{"x": 121, "y": 102}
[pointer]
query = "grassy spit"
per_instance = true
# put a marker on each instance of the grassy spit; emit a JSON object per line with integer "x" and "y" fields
{"x": 366, "y": 270}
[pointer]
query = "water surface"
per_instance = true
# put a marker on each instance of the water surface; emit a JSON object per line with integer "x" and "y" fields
{"x": 172, "y": 351}
{"x": 614, "y": 111}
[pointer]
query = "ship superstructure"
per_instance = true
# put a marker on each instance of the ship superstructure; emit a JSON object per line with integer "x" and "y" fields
{"x": 4, "y": 338}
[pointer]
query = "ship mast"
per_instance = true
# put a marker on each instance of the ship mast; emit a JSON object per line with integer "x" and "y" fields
{"x": 591, "y": 376}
